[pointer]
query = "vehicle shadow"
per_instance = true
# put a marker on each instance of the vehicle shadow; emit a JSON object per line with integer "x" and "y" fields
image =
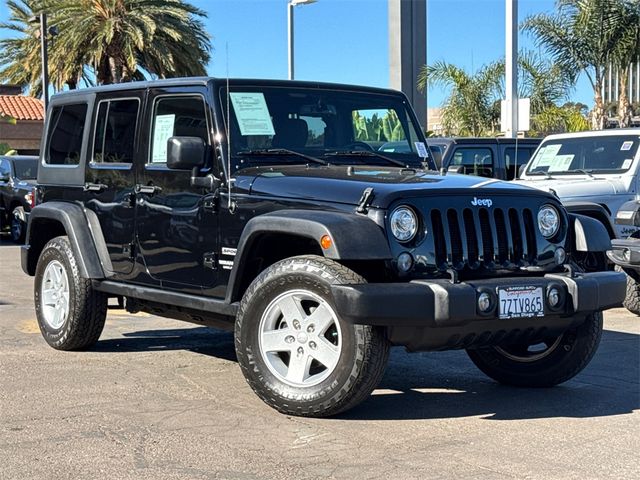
{"x": 204, "y": 340}
{"x": 446, "y": 384}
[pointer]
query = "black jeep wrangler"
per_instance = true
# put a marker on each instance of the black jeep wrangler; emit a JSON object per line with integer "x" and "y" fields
{"x": 262, "y": 206}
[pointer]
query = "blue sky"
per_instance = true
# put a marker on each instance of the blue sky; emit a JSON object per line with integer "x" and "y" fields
{"x": 347, "y": 40}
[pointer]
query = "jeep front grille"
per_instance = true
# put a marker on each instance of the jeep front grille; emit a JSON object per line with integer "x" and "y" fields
{"x": 490, "y": 238}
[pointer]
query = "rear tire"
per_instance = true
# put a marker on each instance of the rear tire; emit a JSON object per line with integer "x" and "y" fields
{"x": 632, "y": 297}
{"x": 295, "y": 351}
{"x": 565, "y": 356}
{"x": 70, "y": 313}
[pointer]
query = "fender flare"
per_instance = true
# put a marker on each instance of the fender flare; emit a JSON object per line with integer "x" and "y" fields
{"x": 354, "y": 237}
{"x": 85, "y": 236}
{"x": 581, "y": 209}
{"x": 588, "y": 234}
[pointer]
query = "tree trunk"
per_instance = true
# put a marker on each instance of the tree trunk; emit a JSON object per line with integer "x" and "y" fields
{"x": 624, "y": 107}
{"x": 597, "y": 115}
{"x": 115, "y": 69}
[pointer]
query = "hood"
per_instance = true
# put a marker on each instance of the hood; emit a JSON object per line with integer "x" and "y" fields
{"x": 342, "y": 184}
{"x": 567, "y": 188}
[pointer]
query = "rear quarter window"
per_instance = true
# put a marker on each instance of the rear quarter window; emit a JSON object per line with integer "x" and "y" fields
{"x": 66, "y": 129}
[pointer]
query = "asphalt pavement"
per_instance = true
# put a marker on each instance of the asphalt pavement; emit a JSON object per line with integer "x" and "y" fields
{"x": 161, "y": 399}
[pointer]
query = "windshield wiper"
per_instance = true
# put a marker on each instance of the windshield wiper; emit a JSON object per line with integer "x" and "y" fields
{"x": 540, "y": 172}
{"x": 281, "y": 151}
{"x": 366, "y": 153}
{"x": 580, "y": 170}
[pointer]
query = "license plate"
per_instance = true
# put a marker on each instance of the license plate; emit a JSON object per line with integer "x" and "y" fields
{"x": 518, "y": 302}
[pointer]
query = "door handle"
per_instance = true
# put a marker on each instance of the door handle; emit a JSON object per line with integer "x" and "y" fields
{"x": 94, "y": 187}
{"x": 148, "y": 189}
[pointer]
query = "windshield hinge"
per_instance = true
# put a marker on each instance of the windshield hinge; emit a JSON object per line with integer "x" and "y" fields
{"x": 365, "y": 200}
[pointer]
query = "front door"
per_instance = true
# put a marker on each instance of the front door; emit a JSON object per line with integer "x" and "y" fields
{"x": 110, "y": 176}
{"x": 176, "y": 222}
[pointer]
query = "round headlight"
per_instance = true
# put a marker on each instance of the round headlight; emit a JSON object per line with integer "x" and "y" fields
{"x": 548, "y": 221}
{"x": 404, "y": 224}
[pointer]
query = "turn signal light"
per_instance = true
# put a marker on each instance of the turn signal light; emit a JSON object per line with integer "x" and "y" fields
{"x": 326, "y": 242}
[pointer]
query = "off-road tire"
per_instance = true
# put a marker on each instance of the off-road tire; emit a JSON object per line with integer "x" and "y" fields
{"x": 364, "y": 349}
{"x": 574, "y": 351}
{"x": 632, "y": 296}
{"x": 87, "y": 307}
{"x": 18, "y": 225}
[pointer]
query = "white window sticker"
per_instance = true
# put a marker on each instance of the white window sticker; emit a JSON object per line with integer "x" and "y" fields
{"x": 162, "y": 131}
{"x": 252, "y": 113}
{"x": 627, "y": 163}
{"x": 422, "y": 149}
{"x": 626, "y": 146}
{"x": 545, "y": 156}
{"x": 561, "y": 163}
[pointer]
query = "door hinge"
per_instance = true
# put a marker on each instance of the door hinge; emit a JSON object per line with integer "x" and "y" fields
{"x": 129, "y": 250}
{"x": 211, "y": 204}
{"x": 210, "y": 260}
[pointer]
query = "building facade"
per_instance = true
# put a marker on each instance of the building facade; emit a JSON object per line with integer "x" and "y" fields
{"x": 22, "y": 135}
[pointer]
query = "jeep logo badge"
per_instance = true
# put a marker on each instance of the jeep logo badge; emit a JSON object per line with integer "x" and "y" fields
{"x": 482, "y": 202}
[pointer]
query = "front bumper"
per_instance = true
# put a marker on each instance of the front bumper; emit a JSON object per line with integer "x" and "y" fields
{"x": 625, "y": 252}
{"x": 438, "y": 314}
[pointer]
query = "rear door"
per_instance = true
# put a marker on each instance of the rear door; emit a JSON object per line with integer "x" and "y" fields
{"x": 176, "y": 222}
{"x": 110, "y": 176}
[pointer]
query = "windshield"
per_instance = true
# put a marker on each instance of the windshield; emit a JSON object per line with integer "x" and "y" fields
{"x": 602, "y": 154}
{"x": 274, "y": 125}
{"x": 26, "y": 169}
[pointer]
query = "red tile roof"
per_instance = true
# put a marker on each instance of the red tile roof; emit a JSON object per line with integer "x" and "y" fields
{"x": 21, "y": 107}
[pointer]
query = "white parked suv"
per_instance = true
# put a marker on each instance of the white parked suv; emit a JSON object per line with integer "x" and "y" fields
{"x": 589, "y": 170}
{"x": 594, "y": 174}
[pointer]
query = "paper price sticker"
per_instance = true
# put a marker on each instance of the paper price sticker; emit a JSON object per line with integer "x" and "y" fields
{"x": 252, "y": 113}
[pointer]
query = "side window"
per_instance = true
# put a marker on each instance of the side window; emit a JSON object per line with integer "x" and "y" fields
{"x": 115, "y": 131}
{"x": 176, "y": 117}
{"x": 5, "y": 170}
{"x": 513, "y": 164}
{"x": 473, "y": 161}
{"x": 66, "y": 128}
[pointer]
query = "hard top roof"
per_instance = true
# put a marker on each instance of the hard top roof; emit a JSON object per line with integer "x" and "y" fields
{"x": 218, "y": 82}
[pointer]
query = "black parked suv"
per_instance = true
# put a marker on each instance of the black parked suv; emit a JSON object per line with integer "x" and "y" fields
{"x": 265, "y": 207}
{"x": 17, "y": 181}
{"x": 499, "y": 157}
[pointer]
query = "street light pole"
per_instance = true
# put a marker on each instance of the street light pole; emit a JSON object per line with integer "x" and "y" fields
{"x": 511, "y": 68}
{"x": 290, "y": 37}
{"x": 290, "y": 5}
{"x": 45, "y": 59}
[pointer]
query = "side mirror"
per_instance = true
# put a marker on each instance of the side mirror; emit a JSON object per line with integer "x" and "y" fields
{"x": 4, "y": 178}
{"x": 185, "y": 153}
{"x": 521, "y": 170}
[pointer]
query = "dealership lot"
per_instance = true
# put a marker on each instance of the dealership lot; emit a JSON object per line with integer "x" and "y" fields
{"x": 162, "y": 399}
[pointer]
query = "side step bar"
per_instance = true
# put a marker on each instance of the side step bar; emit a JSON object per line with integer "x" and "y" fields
{"x": 194, "y": 302}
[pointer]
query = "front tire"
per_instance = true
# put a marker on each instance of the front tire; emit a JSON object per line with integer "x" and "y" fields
{"x": 560, "y": 358}
{"x": 294, "y": 350}
{"x": 70, "y": 313}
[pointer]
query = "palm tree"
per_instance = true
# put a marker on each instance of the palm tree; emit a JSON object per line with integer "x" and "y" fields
{"x": 21, "y": 54}
{"x": 627, "y": 51}
{"x": 122, "y": 39}
{"x": 581, "y": 37}
{"x": 107, "y": 40}
{"x": 470, "y": 108}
